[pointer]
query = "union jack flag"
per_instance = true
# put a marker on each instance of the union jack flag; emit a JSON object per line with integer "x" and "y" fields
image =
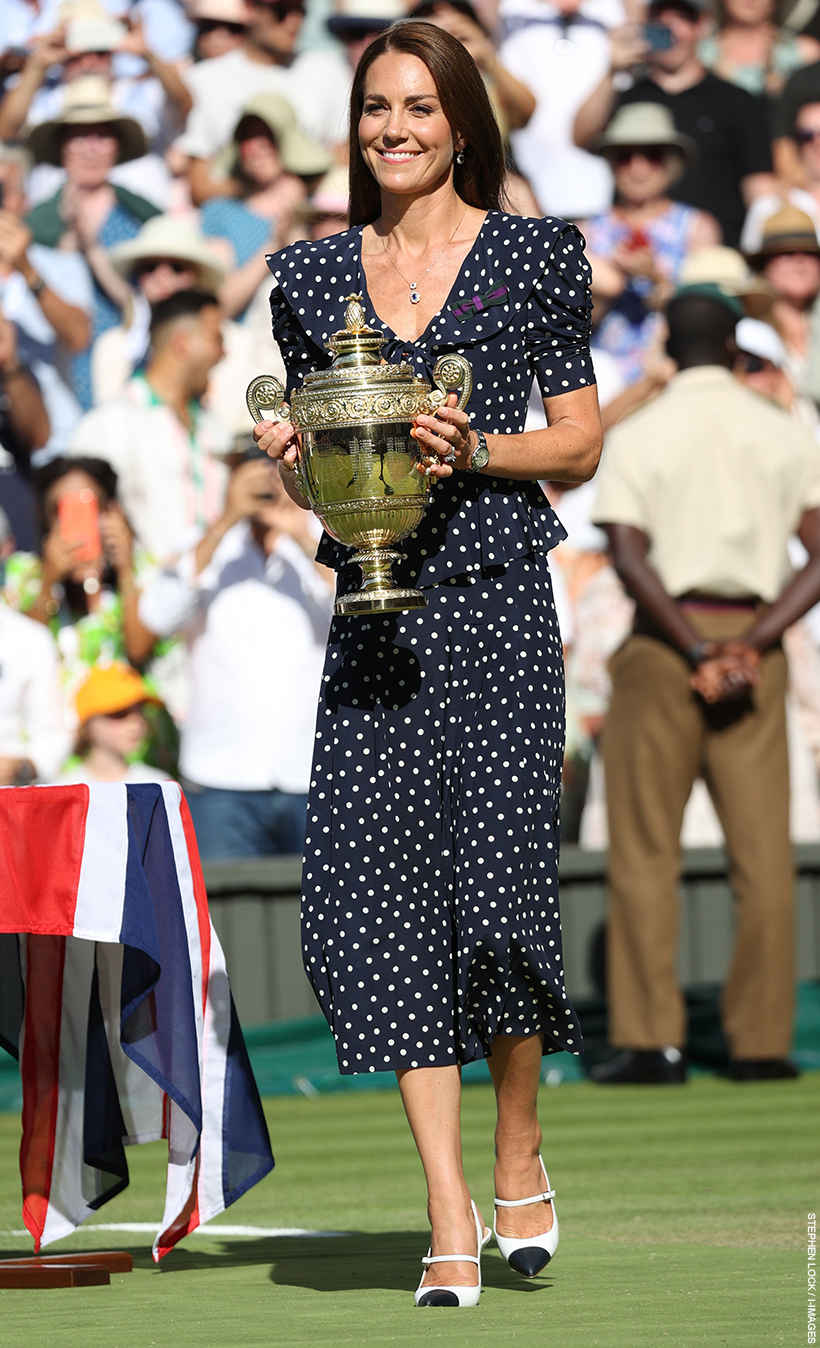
{"x": 115, "y": 996}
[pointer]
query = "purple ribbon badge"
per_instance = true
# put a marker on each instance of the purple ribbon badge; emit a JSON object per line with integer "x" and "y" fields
{"x": 479, "y": 303}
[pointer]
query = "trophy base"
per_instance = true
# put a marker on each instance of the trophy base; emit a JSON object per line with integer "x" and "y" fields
{"x": 378, "y": 594}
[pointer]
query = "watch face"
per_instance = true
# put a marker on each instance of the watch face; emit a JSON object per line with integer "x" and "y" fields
{"x": 480, "y": 459}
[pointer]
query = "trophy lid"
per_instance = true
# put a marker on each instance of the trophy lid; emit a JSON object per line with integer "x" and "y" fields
{"x": 356, "y": 343}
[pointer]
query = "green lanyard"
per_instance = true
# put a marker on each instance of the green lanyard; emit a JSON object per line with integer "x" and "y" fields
{"x": 197, "y": 455}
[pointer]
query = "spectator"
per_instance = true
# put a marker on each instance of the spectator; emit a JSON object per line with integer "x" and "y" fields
{"x": 23, "y": 427}
{"x": 255, "y": 614}
{"x": 789, "y": 262}
{"x": 151, "y": 91}
{"x": 112, "y": 729}
{"x": 802, "y": 87}
{"x": 699, "y": 493}
{"x": 357, "y": 22}
{"x": 560, "y": 51}
{"x": 33, "y": 736}
{"x": 90, "y": 214}
{"x": 751, "y": 50}
{"x": 315, "y": 83}
{"x": 48, "y": 296}
{"x": 804, "y": 140}
{"x": 221, "y": 26}
{"x": 254, "y": 211}
{"x": 727, "y": 124}
{"x": 727, "y": 269}
{"x": 326, "y": 212}
{"x": 164, "y": 445}
{"x": 637, "y": 248}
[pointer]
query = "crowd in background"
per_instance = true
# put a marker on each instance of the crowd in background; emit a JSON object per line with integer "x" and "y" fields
{"x": 161, "y": 602}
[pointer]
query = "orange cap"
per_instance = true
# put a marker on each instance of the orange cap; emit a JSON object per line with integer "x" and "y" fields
{"x": 111, "y": 688}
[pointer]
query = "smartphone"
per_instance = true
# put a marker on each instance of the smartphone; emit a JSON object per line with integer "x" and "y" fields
{"x": 659, "y": 36}
{"x": 79, "y": 516}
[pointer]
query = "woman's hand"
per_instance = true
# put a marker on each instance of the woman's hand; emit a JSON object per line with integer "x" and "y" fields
{"x": 445, "y": 440}
{"x": 117, "y": 541}
{"x": 59, "y": 557}
{"x": 280, "y": 441}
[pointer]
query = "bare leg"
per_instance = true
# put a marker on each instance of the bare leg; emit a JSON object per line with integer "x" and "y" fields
{"x": 432, "y": 1102}
{"x": 515, "y": 1067}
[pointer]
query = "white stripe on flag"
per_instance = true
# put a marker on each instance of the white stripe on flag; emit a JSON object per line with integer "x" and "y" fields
{"x": 101, "y": 891}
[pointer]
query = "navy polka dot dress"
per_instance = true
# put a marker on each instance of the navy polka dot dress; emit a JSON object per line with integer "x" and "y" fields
{"x": 430, "y": 892}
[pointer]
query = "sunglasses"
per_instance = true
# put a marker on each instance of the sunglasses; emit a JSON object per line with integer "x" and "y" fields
{"x": 805, "y": 137}
{"x": 651, "y": 153}
{"x": 205, "y": 26}
{"x": 151, "y": 264}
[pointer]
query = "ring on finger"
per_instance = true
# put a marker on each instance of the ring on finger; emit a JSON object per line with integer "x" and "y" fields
{"x": 450, "y": 457}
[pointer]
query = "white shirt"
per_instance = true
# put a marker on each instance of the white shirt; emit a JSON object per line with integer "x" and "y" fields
{"x": 135, "y": 775}
{"x": 561, "y": 64}
{"x": 68, "y": 276}
{"x": 256, "y": 629}
{"x": 169, "y": 480}
{"x": 316, "y": 85}
{"x": 31, "y": 717}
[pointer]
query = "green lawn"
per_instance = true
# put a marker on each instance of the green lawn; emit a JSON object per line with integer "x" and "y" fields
{"x": 682, "y": 1212}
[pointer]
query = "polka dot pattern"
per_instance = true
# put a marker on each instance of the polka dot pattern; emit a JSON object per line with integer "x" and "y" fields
{"x": 542, "y": 331}
{"x": 430, "y": 915}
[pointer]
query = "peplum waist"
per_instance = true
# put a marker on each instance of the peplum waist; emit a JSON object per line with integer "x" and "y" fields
{"x": 472, "y": 523}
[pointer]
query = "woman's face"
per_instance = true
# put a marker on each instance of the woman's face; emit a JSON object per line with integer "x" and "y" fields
{"x": 258, "y": 153}
{"x": 89, "y": 154}
{"x": 794, "y": 277}
{"x": 75, "y": 481}
{"x": 404, "y": 136}
{"x": 807, "y": 135}
{"x": 121, "y": 733}
{"x": 159, "y": 277}
{"x": 642, "y": 173}
{"x": 749, "y": 12}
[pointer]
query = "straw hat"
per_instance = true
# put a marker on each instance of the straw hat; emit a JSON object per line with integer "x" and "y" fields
{"x": 300, "y": 154}
{"x": 789, "y": 230}
{"x": 111, "y": 688}
{"x": 94, "y": 34}
{"x": 643, "y": 124}
{"x": 365, "y": 16}
{"x": 219, "y": 11}
{"x": 727, "y": 269}
{"x": 168, "y": 236}
{"x": 87, "y": 103}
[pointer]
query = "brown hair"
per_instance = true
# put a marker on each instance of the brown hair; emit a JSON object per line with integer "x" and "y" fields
{"x": 480, "y": 179}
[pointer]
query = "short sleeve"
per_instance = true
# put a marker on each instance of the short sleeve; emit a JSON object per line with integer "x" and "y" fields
{"x": 621, "y": 496}
{"x": 298, "y": 354}
{"x": 559, "y": 319}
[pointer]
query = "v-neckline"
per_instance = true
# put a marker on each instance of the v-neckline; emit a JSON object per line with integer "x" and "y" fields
{"x": 382, "y": 323}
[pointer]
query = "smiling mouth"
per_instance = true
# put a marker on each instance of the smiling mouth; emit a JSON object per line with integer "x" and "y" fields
{"x": 398, "y": 156}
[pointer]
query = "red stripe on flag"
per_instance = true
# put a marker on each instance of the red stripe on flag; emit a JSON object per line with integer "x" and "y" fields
{"x": 42, "y": 835}
{"x": 40, "y": 1068}
{"x": 200, "y": 895}
{"x": 186, "y": 1222}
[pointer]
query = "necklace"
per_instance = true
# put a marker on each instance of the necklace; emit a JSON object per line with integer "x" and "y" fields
{"x": 415, "y": 294}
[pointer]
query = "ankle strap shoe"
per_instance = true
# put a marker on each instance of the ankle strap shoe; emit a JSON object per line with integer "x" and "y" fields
{"x": 530, "y": 1255}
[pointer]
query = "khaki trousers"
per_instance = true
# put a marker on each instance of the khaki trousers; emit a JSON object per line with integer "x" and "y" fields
{"x": 659, "y": 737}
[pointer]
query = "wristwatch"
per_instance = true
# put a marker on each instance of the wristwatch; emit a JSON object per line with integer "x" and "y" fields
{"x": 480, "y": 456}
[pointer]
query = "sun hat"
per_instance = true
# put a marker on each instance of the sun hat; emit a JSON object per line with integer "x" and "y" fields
{"x": 365, "y": 16}
{"x": 727, "y": 269}
{"x": 169, "y": 236}
{"x": 643, "y": 124}
{"x": 300, "y": 155}
{"x": 761, "y": 340}
{"x": 789, "y": 230}
{"x": 111, "y": 688}
{"x": 332, "y": 196}
{"x": 87, "y": 102}
{"x": 219, "y": 11}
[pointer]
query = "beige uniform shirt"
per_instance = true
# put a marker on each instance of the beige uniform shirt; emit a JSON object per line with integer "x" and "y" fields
{"x": 718, "y": 478}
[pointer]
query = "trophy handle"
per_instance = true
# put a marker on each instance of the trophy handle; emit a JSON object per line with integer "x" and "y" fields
{"x": 453, "y": 374}
{"x": 266, "y": 399}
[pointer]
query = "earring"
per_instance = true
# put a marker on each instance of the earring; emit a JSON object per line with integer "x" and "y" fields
{"x": 460, "y": 157}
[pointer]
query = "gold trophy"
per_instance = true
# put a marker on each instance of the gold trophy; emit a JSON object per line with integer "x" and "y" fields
{"x": 358, "y": 464}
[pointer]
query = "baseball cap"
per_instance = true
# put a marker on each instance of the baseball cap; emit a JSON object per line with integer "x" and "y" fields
{"x": 111, "y": 688}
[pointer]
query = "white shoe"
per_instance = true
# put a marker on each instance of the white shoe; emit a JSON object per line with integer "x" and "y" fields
{"x": 530, "y": 1255}
{"x": 454, "y": 1296}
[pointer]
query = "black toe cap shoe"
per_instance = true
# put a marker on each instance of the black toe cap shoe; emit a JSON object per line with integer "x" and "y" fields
{"x": 762, "y": 1069}
{"x": 530, "y": 1260}
{"x": 438, "y": 1296}
{"x": 642, "y": 1067}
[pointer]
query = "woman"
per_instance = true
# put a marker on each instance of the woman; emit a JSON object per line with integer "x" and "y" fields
{"x": 90, "y": 214}
{"x": 90, "y": 604}
{"x": 750, "y": 49}
{"x": 637, "y": 248}
{"x": 430, "y": 881}
{"x": 788, "y": 260}
{"x": 255, "y": 210}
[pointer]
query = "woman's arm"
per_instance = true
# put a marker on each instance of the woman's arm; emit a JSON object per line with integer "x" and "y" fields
{"x": 567, "y": 451}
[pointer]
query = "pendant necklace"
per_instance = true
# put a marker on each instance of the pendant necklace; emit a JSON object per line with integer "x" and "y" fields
{"x": 415, "y": 294}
